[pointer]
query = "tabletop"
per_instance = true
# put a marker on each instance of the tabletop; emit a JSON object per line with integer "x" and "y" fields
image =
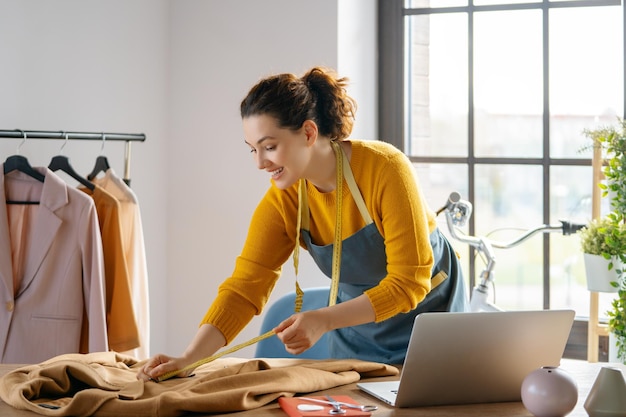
{"x": 583, "y": 372}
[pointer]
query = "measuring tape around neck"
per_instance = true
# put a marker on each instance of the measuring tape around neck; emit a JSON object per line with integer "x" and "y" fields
{"x": 334, "y": 286}
{"x": 336, "y": 262}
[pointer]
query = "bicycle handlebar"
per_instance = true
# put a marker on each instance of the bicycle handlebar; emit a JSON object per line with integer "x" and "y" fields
{"x": 566, "y": 227}
{"x": 458, "y": 211}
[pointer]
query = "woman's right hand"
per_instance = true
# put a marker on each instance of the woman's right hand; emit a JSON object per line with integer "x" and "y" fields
{"x": 161, "y": 365}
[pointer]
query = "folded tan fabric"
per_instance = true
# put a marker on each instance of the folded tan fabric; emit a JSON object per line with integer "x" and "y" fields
{"x": 104, "y": 384}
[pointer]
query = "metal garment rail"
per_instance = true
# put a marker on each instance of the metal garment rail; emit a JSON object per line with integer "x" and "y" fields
{"x": 67, "y": 135}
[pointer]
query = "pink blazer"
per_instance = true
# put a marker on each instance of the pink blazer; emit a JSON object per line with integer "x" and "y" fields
{"x": 63, "y": 273}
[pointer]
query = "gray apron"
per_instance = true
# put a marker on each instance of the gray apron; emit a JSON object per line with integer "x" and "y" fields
{"x": 363, "y": 266}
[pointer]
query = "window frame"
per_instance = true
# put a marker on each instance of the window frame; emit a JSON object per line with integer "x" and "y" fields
{"x": 392, "y": 98}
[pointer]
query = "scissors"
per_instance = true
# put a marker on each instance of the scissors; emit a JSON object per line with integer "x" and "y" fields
{"x": 337, "y": 405}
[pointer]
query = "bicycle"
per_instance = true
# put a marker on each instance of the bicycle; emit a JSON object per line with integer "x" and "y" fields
{"x": 457, "y": 212}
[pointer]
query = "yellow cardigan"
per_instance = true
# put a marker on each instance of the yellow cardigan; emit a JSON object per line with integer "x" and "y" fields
{"x": 387, "y": 181}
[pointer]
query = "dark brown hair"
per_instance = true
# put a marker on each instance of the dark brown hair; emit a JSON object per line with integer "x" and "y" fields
{"x": 319, "y": 95}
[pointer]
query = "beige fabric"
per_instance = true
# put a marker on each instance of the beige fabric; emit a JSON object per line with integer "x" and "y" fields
{"x": 104, "y": 384}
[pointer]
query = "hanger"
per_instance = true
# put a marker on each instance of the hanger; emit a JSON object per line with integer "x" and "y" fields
{"x": 20, "y": 163}
{"x": 102, "y": 163}
{"x": 62, "y": 162}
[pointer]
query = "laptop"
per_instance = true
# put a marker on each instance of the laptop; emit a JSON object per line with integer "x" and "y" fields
{"x": 478, "y": 357}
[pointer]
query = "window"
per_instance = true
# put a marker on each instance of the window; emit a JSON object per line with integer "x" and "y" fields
{"x": 489, "y": 98}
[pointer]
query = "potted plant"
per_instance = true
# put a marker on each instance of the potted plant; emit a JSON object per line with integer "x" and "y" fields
{"x": 602, "y": 263}
{"x": 612, "y": 141}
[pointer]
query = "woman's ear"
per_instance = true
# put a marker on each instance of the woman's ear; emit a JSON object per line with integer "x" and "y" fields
{"x": 309, "y": 127}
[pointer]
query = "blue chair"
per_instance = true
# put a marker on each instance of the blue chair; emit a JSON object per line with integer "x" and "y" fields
{"x": 284, "y": 307}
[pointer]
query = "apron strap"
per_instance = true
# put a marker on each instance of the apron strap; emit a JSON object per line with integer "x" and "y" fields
{"x": 303, "y": 202}
{"x": 354, "y": 189}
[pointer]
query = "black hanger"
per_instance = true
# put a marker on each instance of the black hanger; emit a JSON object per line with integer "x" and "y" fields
{"x": 20, "y": 163}
{"x": 102, "y": 165}
{"x": 61, "y": 162}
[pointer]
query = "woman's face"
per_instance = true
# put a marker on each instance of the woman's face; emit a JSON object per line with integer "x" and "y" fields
{"x": 283, "y": 153}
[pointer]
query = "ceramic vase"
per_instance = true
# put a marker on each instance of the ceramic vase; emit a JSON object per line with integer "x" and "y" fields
{"x": 549, "y": 392}
{"x": 607, "y": 397}
{"x": 599, "y": 277}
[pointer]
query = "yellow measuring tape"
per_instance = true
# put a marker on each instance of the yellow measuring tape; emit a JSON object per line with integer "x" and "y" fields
{"x": 334, "y": 287}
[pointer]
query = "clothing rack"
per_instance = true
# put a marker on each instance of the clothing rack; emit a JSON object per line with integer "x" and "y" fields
{"x": 67, "y": 135}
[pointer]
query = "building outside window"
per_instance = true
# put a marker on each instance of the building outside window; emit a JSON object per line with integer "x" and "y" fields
{"x": 489, "y": 98}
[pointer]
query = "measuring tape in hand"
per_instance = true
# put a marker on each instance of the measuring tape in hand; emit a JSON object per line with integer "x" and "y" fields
{"x": 334, "y": 287}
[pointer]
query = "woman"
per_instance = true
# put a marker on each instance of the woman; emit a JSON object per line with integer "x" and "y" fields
{"x": 394, "y": 262}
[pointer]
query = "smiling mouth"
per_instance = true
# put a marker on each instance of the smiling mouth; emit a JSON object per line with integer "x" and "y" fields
{"x": 276, "y": 172}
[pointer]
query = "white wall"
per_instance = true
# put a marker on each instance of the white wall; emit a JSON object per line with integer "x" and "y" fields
{"x": 219, "y": 50}
{"x": 94, "y": 66}
{"x": 177, "y": 71}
